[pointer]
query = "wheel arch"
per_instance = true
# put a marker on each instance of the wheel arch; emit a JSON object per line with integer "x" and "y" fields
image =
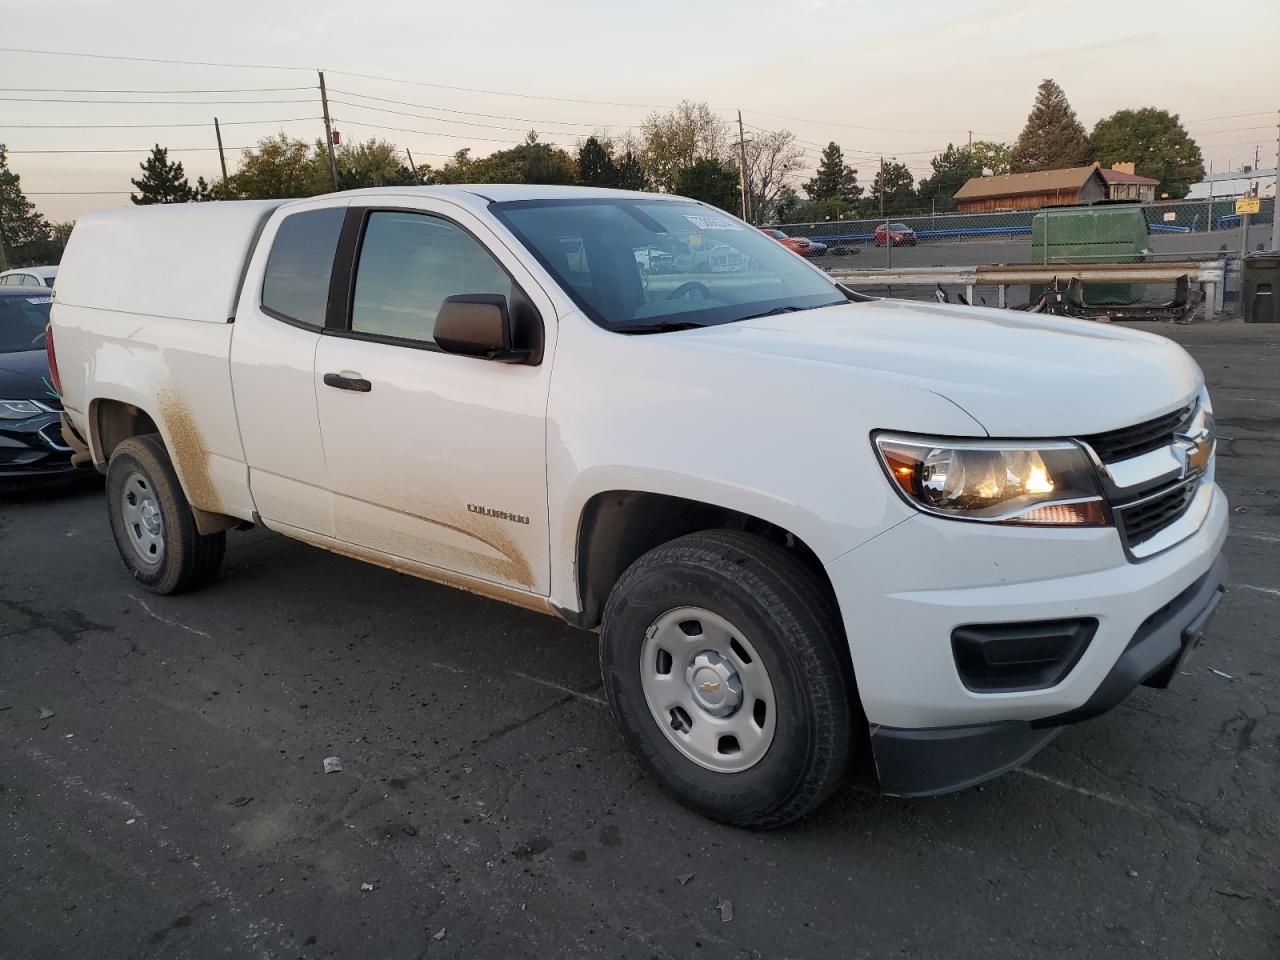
{"x": 617, "y": 527}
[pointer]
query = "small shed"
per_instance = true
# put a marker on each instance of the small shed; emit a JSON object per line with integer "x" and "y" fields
{"x": 1072, "y": 186}
{"x": 1124, "y": 184}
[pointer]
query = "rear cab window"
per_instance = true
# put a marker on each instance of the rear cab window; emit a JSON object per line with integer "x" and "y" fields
{"x": 295, "y": 285}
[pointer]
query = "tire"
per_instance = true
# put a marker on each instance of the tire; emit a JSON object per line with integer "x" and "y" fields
{"x": 784, "y": 623}
{"x": 143, "y": 497}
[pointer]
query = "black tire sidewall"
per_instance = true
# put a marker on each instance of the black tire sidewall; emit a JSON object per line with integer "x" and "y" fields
{"x": 737, "y": 797}
{"x": 146, "y": 456}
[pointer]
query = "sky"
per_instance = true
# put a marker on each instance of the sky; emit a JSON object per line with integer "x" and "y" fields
{"x": 892, "y": 78}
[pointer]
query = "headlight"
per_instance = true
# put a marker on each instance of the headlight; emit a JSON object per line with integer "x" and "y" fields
{"x": 1049, "y": 483}
{"x": 19, "y": 409}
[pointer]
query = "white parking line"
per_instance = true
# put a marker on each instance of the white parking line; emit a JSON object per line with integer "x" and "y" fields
{"x": 556, "y": 686}
{"x": 166, "y": 621}
{"x": 1249, "y": 586}
{"x": 1104, "y": 797}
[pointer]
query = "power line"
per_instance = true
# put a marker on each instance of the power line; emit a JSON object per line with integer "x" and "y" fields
{"x": 423, "y": 116}
{"x": 171, "y": 103}
{"x": 433, "y": 133}
{"x": 92, "y": 90}
{"x": 345, "y": 73}
{"x": 136, "y": 126}
{"x": 851, "y": 126}
{"x": 127, "y": 150}
{"x": 186, "y": 63}
{"x": 473, "y": 113}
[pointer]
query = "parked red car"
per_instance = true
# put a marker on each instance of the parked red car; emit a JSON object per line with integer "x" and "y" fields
{"x": 899, "y": 234}
{"x": 800, "y": 245}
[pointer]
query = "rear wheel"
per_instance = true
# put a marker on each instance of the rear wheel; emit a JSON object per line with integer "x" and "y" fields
{"x": 724, "y": 666}
{"x": 152, "y": 522}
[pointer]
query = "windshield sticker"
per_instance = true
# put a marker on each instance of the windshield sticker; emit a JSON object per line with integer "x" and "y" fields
{"x": 712, "y": 223}
{"x": 39, "y": 299}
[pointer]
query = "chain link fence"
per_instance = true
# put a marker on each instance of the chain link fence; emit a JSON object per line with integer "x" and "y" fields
{"x": 1104, "y": 233}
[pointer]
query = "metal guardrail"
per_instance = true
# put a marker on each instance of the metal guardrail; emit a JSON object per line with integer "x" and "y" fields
{"x": 1211, "y": 274}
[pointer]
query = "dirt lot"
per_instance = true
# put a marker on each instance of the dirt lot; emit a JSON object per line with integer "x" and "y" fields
{"x": 174, "y": 804}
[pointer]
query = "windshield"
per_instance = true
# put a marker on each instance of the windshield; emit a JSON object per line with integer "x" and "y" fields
{"x": 645, "y": 265}
{"x": 22, "y": 323}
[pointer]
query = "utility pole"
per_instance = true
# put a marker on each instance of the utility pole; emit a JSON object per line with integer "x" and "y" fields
{"x": 1275, "y": 203}
{"x": 888, "y": 234}
{"x": 412, "y": 167}
{"x": 742, "y": 168}
{"x": 1209, "y": 226}
{"x": 222, "y": 157}
{"x": 328, "y": 131}
{"x": 970, "y": 139}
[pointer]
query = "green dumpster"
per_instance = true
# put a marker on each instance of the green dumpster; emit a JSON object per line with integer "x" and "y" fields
{"x": 1086, "y": 235}
{"x": 1260, "y": 287}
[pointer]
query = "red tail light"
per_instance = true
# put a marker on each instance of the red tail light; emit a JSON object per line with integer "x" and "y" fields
{"x": 53, "y": 359}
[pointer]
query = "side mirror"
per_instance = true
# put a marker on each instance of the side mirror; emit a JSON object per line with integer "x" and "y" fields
{"x": 478, "y": 325}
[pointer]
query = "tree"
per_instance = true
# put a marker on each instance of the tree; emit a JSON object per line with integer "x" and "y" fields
{"x": 835, "y": 179}
{"x": 897, "y": 188}
{"x": 710, "y": 181}
{"x": 819, "y": 211}
{"x": 992, "y": 156}
{"x": 676, "y": 140}
{"x": 530, "y": 162}
{"x": 1156, "y": 142}
{"x": 280, "y": 168}
{"x": 25, "y": 235}
{"x": 631, "y": 173}
{"x": 952, "y": 169}
{"x": 787, "y": 204}
{"x": 202, "y": 191}
{"x": 371, "y": 163}
{"x": 772, "y": 158}
{"x": 595, "y": 165}
{"x": 1053, "y": 137}
{"x": 162, "y": 181}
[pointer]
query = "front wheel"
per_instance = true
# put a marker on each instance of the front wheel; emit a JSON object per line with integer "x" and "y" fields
{"x": 152, "y": 522}
{"x": 724, "y": 665}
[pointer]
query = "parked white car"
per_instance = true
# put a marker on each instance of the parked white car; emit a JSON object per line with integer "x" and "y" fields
{"x": 29, "y": 277}
{"x": 813, "y": 528}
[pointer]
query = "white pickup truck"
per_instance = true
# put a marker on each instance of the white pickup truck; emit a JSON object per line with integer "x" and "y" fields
{"x": 813, "y": 529}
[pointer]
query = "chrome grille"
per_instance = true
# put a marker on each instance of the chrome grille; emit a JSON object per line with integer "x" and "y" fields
{"x": 1139, "y": 439}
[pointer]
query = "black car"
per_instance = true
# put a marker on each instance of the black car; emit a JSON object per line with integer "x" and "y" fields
{"x": 32, "y": 450}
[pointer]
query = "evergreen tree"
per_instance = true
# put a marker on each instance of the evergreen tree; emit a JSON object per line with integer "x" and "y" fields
{"x": 1053, "y": 137}
{"x": 595, "y": 166}
{"x": 631, "y": 174}
{"x": 202, "y": 191}
{"x": 899, "y": 195}
{"x": 1156, "y": 142}
{"x": 835, "y": 180}
{"x": 162, "y": 181}
{"x": 24, "y": 233}
{"x": 711, "y": 181}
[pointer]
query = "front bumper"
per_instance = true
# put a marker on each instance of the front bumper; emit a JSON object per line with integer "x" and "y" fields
{"x": 903, "y": 594}
{"x": 913, "y": 763}
{"x": 33, "y": 452}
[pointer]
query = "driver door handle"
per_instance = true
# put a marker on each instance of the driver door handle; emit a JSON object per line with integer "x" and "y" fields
{"x": 357, "y": 384}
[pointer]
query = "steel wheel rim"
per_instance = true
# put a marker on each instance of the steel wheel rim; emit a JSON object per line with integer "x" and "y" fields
{"x": 708, "y": 689}
{"x": 143, "y": 521}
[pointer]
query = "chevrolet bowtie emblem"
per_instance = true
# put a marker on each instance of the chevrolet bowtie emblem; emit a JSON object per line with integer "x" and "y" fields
{"x": 711, "y": 686}
{"x": 1194, "y": 454}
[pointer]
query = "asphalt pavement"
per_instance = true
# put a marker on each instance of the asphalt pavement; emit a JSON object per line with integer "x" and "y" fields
{"x": 163, "y": 794}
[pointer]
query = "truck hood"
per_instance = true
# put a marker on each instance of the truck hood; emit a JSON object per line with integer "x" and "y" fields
{"x": 1017, "y": 374}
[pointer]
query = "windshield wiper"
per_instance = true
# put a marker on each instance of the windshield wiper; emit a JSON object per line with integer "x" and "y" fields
{"x": 790, "y": 308}
{"x": 661, "y": 326}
